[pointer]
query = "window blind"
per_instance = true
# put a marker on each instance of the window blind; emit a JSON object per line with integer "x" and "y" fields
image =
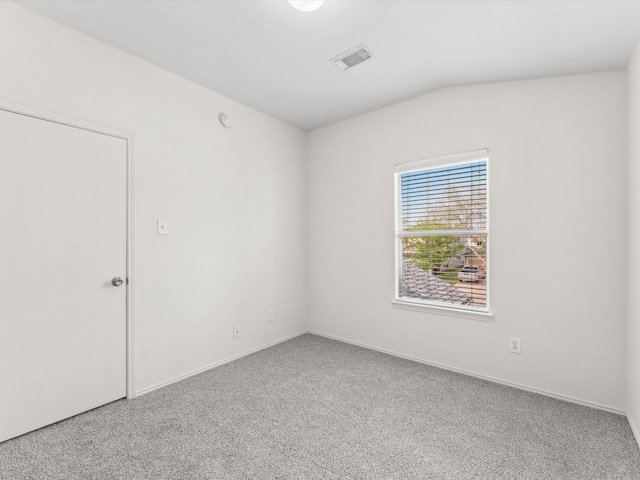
{"x": 442, "y": 231}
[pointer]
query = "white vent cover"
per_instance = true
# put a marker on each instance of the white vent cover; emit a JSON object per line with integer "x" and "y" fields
{"x": 352, "y": 57}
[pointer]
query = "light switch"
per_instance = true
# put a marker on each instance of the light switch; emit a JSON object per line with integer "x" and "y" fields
{"x": 163, "y": 227}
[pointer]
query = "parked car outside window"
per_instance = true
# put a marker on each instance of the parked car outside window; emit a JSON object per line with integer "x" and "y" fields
{"x": 470, "y": 273}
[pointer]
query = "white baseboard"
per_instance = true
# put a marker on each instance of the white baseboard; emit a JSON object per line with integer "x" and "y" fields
{"x": 214, "y": 365}
{"x": 519, "y": 386}
{"x": 636, "y": 432}
{"x": 540, "y": 391}
{"x": 566, "y": 398}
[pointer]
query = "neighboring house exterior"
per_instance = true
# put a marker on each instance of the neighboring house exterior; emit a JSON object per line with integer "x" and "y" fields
{"x": 472, "y": 257}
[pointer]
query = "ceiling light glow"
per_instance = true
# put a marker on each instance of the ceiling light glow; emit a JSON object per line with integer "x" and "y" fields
{"x": 306, "y": 5}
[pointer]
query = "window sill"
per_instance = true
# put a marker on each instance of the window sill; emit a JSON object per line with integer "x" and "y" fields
{"x": 441, "y": 310}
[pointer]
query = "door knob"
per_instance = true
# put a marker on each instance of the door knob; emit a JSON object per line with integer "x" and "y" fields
{"x": 117, "y": 281}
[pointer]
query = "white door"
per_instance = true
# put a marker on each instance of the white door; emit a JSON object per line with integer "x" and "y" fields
{"x": 62, "y": 240}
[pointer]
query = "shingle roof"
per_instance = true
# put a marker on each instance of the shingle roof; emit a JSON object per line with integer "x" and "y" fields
{"x": 418, "y": 283}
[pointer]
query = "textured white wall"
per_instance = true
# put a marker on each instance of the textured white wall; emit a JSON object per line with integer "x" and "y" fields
{"x": 633, "y": 337}
{"x": 234, "y": 198}
{"x": 558, "y": 165}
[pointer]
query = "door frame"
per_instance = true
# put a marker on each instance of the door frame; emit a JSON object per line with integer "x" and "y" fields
{"x": 55, "y": 117}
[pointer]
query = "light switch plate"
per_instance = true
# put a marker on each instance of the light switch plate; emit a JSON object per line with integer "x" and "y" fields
{"x": 163, "y": 227}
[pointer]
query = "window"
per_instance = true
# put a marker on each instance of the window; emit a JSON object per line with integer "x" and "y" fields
{"x": 442, "y": 232}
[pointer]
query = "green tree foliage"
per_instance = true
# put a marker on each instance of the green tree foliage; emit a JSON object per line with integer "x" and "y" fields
{"x": 432, "y": 251}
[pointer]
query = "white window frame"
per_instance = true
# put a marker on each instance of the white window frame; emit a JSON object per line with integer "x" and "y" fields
{"x": 476, "y": 313}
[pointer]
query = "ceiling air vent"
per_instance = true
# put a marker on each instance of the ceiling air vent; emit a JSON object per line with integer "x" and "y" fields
{"x": 352, "y": 57}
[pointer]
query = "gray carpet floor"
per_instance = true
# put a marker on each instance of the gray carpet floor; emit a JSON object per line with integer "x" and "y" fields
{"x": 313, "y": 408}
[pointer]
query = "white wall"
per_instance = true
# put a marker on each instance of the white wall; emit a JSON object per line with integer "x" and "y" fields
{"x": 236, "y": 203}
{"x": 633, "y": 337}
{"x": 234, "y": 199}
{"x": 558, "y": 156}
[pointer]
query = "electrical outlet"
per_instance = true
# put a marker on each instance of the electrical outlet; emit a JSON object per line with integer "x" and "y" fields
{"x": 514, "y": 345}
{"x": 236, "y": 331}
{"x": 270, "y": 316}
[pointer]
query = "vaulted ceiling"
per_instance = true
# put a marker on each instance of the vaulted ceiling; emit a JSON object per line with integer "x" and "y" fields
{"x": 267, "y": 55}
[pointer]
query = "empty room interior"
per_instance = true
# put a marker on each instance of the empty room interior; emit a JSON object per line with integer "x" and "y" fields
{"x": 349, "y": 239}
